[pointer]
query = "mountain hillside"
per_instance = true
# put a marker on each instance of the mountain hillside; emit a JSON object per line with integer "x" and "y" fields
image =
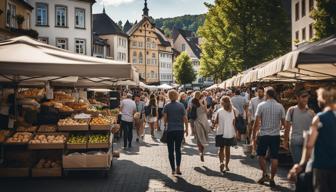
{"x": 186, "y": 22}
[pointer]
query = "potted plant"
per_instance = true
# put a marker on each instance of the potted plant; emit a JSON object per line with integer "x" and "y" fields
{"x": 19, "y": 19}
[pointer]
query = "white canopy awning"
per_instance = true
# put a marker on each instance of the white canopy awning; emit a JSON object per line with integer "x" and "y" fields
{"x": 23, "y": 56}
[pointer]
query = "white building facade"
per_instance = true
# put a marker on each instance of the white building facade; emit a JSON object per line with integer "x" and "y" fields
{"x": 64, "y": 23}
{"x": 116, "y": 39}
{"x": 166, "y": 67}
{"x": 302, "y": 23}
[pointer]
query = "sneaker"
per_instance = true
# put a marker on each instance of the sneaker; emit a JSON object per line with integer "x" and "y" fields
{"x": 272, "y": 184}
{"x": 264, "y": 179}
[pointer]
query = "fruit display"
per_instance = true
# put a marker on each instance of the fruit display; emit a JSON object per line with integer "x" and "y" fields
{"x": 4, "y": 134}
{"x": 47, "y": 129}
{"x": 111, "y": 112}
{"x": 45, "y": 164}
{"x": 62, "y": 96}
{"x": 65, "y": 108}
{"x": 99, "y": 138}
{"x": 77, "y": 139}
{"x": 112, "y": 119}
{"x": 70, "y": 121}
{"x": 47, "y": 139}
{"x": 26, "y": 129}
{"x": 100, "y": 121}
{"x": 31, "y": 93}
{"x": 20, "y": 137}
{"x": 77, "y": 105}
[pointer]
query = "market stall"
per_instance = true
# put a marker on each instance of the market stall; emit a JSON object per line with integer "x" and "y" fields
{"x": 55, "y": 128}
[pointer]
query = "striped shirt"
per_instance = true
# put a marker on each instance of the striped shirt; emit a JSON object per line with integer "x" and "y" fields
{"x": 271, "y": 113}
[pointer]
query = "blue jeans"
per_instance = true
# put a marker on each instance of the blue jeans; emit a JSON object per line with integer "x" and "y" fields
{"x": 174, "y": 142}
{"x": 296, "y": 151}
{"x": 128, "y": 132}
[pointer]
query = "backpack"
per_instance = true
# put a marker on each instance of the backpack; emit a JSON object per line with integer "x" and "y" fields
{"x": 153, "y": 111}
{"x": 193, "y": 112}
{"x": 147, "y": 110}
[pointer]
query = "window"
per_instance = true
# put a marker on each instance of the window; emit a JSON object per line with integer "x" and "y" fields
{"x": 153, "y": 59}
{"x": 134, "y": 57}
{"x": 152, "y": 74}
{"x": 297, "y": 10}
{"x": 60, "y": 16}
{"x": 311, "y": 32}
{"x": 79, "y": 18}
{"x": 134, "y": 44}
{"x": 303, "y": 34}
{"x": 62, "y": 43}
{"x": 124, "y": 43}
{"x": 297, "y": 36}
{"x": 183, "y": 47}
{"x": 119, "y": 42}
{"x": 311, "y": 5}
{"x": 303, "y": 8}
{"x": 28, "y": 21}
{"x": 148, "y": 61}
{"x": 41, "y": 14}
{"x": 11, "y": 15}
{"x": 80, "y": 46}
{"x": 140, "y": 44}
{"x": 140, "y": 58}
{"x": 44, "y": 40}
{"x": 148, "y": 45}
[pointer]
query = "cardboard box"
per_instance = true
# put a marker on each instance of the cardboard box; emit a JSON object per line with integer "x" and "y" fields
{"x": 74, "y": 161}
{"x": 14, "y": 172}
{"x": 47, "y": 172}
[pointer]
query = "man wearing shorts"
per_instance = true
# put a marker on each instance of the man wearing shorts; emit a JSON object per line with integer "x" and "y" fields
{"x": 270, "y": 115}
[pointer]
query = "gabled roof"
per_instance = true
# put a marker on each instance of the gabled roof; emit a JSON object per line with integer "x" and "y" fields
{"x": 99, "y": 41}
{"x": 27, "y": 5}
{"x": 137, "y": 25}
{"x": 191, "y": 40}
{"x": 163, "y": 42}
{"x": 127, "y": 26}
{"x": 104, "y": 25}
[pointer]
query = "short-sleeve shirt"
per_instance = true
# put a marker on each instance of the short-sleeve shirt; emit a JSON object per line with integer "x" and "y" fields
{"x": 239, "y": 102}
{"x": 225, "y": 123}
{"x": 175, "y": 113}
{"x": 128, "y": 108}
{"x": 271, "y": 113}
{"x": 255, "y": 101}
{"x": 301, "y": 121}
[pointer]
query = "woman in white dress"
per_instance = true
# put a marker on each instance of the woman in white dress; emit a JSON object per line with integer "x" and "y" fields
{"x": 226, "y": 132}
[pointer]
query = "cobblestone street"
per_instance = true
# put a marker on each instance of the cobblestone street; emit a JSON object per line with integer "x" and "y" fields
{"x": 146, "y": 168}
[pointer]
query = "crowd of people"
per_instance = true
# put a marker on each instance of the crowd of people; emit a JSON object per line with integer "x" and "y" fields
{"x": 241, "y": 116}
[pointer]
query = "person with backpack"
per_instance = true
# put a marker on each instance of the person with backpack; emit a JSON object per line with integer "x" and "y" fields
{"x": 161, "y": 102}
{"x": 151, "y": 112}
{"x": 298, "y": 120}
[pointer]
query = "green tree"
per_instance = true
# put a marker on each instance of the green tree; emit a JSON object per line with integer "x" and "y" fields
{"x": 239, "y": 34}
{"x": 325, "y": 18}
{"x": 183, "y": 69}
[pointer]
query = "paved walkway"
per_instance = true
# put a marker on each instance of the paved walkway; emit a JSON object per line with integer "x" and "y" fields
{"x": 146, "y": 168}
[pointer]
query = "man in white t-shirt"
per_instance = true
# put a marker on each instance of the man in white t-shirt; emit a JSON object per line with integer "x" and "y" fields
{"x": 128, "y": 109}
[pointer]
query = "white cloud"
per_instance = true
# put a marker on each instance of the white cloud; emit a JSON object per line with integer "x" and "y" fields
{"x": 115, "y": 2}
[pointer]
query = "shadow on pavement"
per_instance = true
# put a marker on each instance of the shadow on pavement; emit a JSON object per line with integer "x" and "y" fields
{"x": 228, "y": 175}
{"x": 125, "y": 176}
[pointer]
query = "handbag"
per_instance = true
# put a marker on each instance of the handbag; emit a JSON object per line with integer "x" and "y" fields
{"x": 164, "y": 136}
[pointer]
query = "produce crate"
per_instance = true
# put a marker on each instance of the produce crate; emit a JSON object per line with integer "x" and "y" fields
{"x": 43, "y": 129}
{"x": 98, "y": 145}
{"x": 99, "y": 161}
{"x": 74, "y": 161}
{"x": 74, "y": 128}
{"x": 14, "y": 172}
{"x": 47, "y": 172}
{"x": 100, "y": 127}
{"x": 39, "y": 146}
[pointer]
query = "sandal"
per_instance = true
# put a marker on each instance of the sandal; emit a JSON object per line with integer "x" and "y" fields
{"x": 221, "y": 167}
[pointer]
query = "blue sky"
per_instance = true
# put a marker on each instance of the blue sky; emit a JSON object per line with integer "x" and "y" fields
{"x": 132, "y": 9}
